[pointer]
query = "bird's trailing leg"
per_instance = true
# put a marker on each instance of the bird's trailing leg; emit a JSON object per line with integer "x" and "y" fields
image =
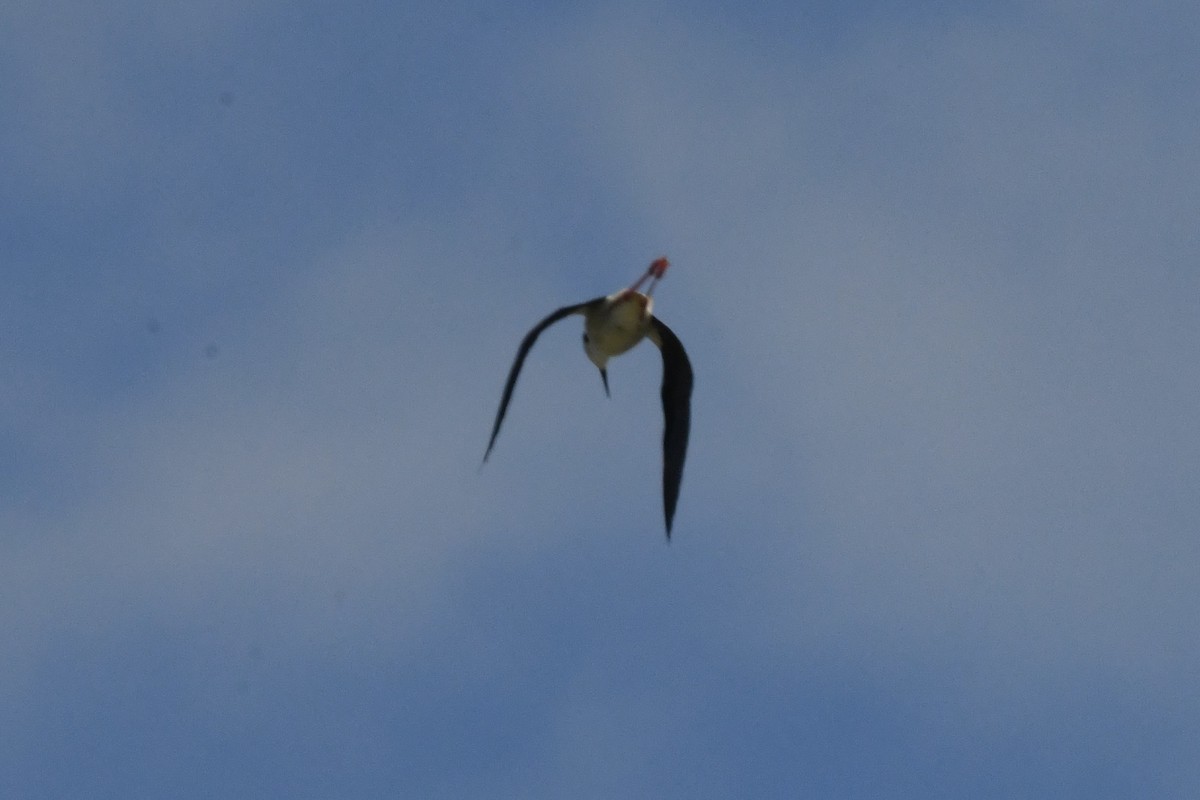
{"x": 657, "y": 269}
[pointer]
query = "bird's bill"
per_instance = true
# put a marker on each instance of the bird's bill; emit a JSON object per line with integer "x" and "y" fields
{"x": 604, "y": 380}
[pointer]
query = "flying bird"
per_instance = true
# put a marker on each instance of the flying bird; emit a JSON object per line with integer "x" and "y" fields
{"x": 611, "y": 326}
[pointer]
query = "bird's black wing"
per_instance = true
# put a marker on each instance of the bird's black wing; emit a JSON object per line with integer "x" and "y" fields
{"x": 677, "y": 412}
{"x": 523, "y": 351}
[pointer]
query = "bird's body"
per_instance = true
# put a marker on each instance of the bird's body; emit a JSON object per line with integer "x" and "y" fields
{"x": 618, "y": 323}
{"x": 613, "y": 325}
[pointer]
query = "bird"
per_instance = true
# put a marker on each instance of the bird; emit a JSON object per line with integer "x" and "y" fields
{"x": 613, "y": 325}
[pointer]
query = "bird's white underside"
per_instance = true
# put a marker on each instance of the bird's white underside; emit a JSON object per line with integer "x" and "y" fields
{"x": 617, "y": 325}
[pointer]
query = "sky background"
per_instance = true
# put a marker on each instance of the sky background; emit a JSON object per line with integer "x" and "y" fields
{"x": 265, "y": 266}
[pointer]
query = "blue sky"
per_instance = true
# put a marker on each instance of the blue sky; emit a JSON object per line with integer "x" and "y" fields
{"x": 266, "y": 266}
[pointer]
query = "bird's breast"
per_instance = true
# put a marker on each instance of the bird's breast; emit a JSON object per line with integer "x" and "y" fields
{"x": 621, "y": 324}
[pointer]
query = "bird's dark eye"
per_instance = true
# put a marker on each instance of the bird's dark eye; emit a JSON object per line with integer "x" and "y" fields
{"x": 585, "y": 339}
